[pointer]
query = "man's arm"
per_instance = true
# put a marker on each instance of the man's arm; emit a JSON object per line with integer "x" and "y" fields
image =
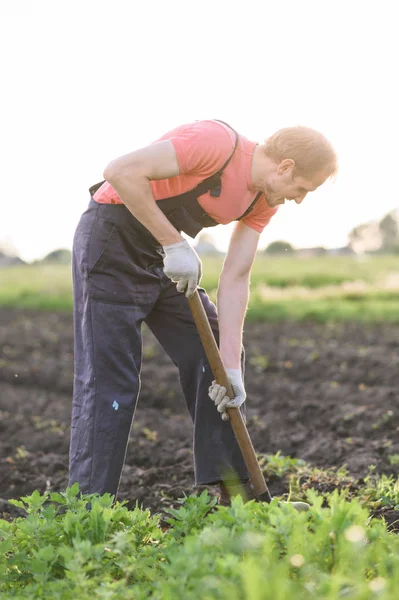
{"x": 233, "y": 293}
{"x": 130, "y": 177}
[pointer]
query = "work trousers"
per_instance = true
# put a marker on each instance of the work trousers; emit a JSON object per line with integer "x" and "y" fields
{"x": 119, "y": 283}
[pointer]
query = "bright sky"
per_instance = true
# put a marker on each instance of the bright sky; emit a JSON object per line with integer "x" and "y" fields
{"x": 85, "y": 81}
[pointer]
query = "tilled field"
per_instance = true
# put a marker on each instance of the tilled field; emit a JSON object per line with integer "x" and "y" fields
{"x": 324, "y": 393}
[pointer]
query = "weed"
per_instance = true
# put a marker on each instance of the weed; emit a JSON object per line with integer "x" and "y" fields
{"x": 385, "y": 418}
{"x": 150, "y": 434}
{"x": 72, "y": 545}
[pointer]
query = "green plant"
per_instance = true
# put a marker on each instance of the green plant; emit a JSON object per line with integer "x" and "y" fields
{"x": 381, "y": 490}
{"x": 77, "y": 546}
{"x": 393, "y": 459}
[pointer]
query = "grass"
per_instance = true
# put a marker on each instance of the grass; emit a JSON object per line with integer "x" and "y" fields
{"x": 282, "y": 288}
{"x": 46, "y": 287}
{"x": 315, "y": 272}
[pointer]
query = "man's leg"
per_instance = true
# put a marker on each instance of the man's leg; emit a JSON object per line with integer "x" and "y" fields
{"x": 216, "y": 452}
{"x": 106, "y": 387}
{"x": 113, "y": 293}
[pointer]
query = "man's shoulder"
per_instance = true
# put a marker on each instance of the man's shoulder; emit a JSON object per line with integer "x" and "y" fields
{"x": 203, "y": 128}
{"x": 217, "y": 129}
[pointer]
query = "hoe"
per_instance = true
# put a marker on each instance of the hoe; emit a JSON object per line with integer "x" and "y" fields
{"x": 261, "y": 490}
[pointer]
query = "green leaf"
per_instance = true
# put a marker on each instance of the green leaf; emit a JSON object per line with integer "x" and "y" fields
{"x": 46, "y": 553}
{"x": 5, "y": 527}
{"x": 56, "y": 497}
{"x": 72, "y": 491}
{"x": 6, "y": 546}
{"x": 18, "y": 503}
{"x": 39, "y": 566}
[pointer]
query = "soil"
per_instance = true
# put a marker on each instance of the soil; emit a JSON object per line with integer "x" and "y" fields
{"x": 324, "y": 393}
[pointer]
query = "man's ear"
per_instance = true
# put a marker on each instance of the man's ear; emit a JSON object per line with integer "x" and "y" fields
{"x": 285, "y": 166}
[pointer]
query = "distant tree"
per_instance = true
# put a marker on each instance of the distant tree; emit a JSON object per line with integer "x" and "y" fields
{"x": 366, "y": 237}
{"x": 61, "y": 256}
{"x": 8, "y": 254}
{"x": 376, "y": 236}
{"x": 279, "y": 247}
{"x": 313, "y": 251}
{"x": 7, "y": 247}
{"x": 205, "y": 244}
{"x": 8, "y": 261}
{"x": 389, "y": 228}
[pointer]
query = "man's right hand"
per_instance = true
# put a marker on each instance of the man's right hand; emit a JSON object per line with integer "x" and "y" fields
{"x": 218, "y": 393}
{"x": 183, "y": 266}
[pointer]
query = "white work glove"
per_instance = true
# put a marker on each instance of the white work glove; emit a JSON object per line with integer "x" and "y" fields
{"x": 218, "y": 393}
{"x": 183, "y": 266}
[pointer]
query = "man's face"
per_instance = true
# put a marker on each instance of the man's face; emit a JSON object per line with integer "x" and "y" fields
{"x": 282, "y": 185}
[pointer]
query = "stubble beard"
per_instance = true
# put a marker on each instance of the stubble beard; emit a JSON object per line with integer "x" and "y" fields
{"x": 271, "y": 197}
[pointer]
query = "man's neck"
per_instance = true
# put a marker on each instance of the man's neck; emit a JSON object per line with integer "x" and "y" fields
{"x": 261, "y": 166}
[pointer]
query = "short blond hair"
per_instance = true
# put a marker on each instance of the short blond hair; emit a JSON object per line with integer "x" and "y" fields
{"x": 310, "y": 150}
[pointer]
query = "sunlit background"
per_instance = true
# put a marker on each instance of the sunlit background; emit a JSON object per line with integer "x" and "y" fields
{"x": 84, "y": 81}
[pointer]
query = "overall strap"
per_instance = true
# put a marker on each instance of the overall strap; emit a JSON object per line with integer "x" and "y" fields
{"x": 212, "y": 183}
{"x": 95, "y": 187}
{"x": 258, "y": 195}
{"x": 251, "y": 206}
{"x": 215, "y": 191}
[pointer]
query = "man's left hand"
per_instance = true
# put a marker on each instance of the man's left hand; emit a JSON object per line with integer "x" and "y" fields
{"x": 218, "y": 393}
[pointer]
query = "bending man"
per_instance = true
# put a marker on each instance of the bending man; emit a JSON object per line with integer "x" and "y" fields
{"x": 131, "y": 264}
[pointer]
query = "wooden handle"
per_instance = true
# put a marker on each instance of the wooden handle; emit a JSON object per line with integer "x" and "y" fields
{"x": 236, "y": 420}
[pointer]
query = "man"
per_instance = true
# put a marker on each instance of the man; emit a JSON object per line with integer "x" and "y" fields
{"x": 131, "y": 264}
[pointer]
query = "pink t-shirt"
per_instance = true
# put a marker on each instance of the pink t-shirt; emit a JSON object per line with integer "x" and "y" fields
{"x": 202, "y": 148}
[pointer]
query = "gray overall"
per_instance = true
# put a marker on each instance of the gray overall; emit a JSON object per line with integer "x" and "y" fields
{"x": 119, "y": 283}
